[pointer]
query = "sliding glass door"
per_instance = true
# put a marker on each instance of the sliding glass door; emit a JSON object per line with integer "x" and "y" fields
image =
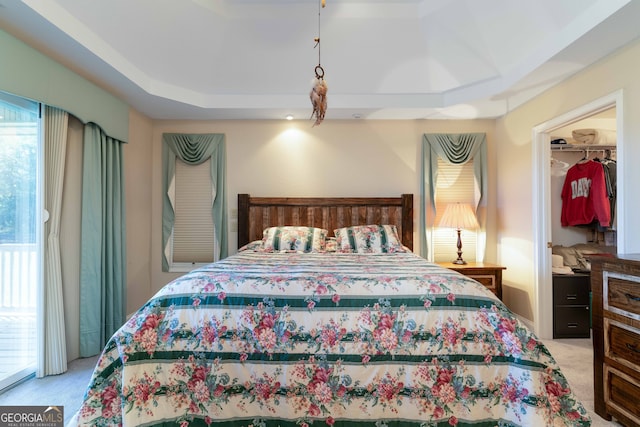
{"x": 20, "y": 236}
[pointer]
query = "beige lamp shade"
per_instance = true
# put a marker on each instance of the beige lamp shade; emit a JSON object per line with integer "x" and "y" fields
{"x": 459, "y": 216}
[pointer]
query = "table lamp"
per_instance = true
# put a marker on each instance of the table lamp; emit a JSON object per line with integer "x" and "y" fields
{"x": 459, "y": 216}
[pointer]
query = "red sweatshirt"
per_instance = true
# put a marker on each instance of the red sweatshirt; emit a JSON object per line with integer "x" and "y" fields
{"x": 584, "y": 195}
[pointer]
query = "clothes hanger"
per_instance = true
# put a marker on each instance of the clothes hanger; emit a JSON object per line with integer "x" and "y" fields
{"x": 558, "y": 167}
{"x": 555, "y": 163}
{"x": 585, "y": 158}
{"x": 607, "y": 156}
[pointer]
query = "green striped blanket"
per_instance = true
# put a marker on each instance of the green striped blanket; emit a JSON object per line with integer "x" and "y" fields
{"x": 327, "y": 339}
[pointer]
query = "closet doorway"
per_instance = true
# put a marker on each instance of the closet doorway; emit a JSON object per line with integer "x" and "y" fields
{"x": 544, "y": 217}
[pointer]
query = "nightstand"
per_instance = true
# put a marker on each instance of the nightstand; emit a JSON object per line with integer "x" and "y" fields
{"x": 490, "y": 275}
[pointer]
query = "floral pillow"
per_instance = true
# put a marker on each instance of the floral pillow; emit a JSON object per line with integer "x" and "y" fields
{"x": 331, "y": 245}
{"x": 368, "y": 239}
{"x": 294, "y": 239}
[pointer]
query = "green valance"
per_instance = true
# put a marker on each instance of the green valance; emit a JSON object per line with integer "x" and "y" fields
{"x": 28, "y": 73}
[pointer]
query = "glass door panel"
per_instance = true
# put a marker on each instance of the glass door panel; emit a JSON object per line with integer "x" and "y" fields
{"x": 19, "y": 236}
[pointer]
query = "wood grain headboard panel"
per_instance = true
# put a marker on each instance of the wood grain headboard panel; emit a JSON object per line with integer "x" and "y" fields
{"x": 257, "y": 213}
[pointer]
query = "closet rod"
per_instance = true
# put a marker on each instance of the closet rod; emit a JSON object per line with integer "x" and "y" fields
{"x": 582, "y": 147}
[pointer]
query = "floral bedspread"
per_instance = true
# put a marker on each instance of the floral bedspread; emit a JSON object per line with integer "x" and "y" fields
{"x": 290, "y": 339}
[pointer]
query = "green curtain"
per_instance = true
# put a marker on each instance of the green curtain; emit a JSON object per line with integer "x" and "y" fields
{"x": 103, "y": 241}
{"x": 459, "y": 149}
{"x": 194, "y": 149}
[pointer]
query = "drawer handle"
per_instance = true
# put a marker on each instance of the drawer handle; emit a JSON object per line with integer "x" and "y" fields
{"x": 632, "y": 297}
{"x": 633, "y": 347}
{"x": 574, "y": 325}
{"x": 572, "y": 297}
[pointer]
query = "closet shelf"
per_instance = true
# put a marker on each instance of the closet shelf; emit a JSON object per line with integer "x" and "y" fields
{"x": 582, "y": 147}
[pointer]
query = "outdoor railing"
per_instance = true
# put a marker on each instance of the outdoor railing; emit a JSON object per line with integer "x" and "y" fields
{"x": 18, "y": 276}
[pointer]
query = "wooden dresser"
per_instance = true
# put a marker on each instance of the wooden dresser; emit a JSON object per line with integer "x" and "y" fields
{"x": 615, "y": 283}
{"x": 490, "y": 275}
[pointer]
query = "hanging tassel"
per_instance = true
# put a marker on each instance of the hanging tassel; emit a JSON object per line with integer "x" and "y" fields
{"x": 318, "y": 98}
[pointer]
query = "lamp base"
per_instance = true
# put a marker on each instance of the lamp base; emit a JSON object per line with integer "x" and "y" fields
{"x": 459, "y": 261}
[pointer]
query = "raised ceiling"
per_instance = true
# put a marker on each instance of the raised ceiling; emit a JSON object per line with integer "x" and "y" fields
{"x": 255, "y": 59}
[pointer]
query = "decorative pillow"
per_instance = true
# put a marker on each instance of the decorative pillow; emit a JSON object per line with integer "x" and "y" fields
{"x": 368, "y": 239}
{"x": 294, "y": 238}
{"x": 331, "y": 245}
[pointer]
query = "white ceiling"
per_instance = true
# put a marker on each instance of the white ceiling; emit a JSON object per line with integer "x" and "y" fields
{"x": 255, "y": 59}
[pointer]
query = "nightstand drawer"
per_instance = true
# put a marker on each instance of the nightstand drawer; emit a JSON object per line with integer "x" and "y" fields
{"x": 488, "y": 281}
{"x": 490, "y": 275}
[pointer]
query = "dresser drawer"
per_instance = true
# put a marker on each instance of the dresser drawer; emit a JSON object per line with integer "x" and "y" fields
{"x": 623, "y": 344}
{"x": 622, "y": 294}
{"x": 621, "y": 394}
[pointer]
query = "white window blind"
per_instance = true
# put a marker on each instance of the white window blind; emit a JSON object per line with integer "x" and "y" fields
{"x": 193, "y": 231}
{"x": 456, "y": 183}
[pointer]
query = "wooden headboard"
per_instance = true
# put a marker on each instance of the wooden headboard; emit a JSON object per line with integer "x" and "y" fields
{"x": 257, "y": 213}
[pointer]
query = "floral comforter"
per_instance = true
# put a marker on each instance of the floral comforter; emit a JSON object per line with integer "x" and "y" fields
{"x": 326, "y": 339}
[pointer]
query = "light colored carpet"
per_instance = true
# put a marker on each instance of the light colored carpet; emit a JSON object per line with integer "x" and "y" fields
{"x": 66, "y": 390}
{"x": 575, "y": 357}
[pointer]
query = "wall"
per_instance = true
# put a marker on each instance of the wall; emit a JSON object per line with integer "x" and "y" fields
{"x": 337, "y": 158}
{"x": 137, "y": 175}
{"x": 515, "y": 163}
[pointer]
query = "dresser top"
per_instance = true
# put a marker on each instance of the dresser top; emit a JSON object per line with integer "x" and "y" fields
{"x": 626, "y": 258}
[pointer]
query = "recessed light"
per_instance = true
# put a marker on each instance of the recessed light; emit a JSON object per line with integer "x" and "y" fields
{"x": 289, "y": 117}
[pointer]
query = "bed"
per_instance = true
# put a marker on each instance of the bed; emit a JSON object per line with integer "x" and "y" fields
{"x": 306, "y": 328}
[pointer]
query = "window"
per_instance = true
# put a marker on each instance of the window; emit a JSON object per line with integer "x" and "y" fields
{"x": 456, "y": 183}
{"x": 193, "y": 232}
